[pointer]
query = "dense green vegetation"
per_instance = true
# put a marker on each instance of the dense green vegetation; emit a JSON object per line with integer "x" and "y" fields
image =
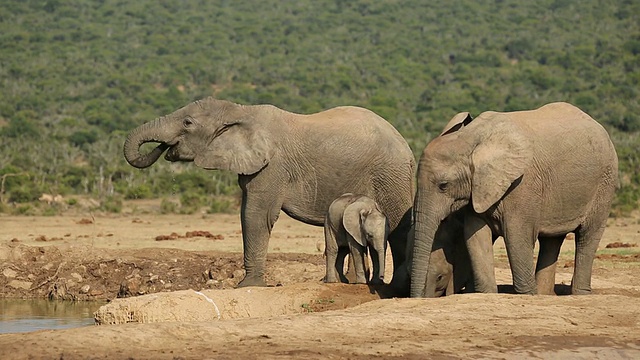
{"x": 77, "y": 75}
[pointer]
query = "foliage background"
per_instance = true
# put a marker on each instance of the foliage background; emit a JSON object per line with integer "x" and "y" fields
{"x": 76, "y": 75}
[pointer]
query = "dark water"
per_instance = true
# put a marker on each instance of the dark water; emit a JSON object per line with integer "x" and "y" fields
{"x": 31, "y": 315}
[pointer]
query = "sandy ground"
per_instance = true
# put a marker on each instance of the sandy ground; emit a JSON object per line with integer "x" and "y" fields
{"x": 170, "y": 282}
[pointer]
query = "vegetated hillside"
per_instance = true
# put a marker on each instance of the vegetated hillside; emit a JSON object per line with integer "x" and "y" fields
{"x": 77, "y": 75}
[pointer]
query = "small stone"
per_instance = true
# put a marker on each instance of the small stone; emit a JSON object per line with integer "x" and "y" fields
{"x": 85, "y": 289}
{"x": 237, "y": 274}
{"x": 9, "y": 273}
{"x": 154, "y": 278}
{"x": 77, "y": 277}
{"x": 168, "y": 285}
{"x": 18, "y": 284}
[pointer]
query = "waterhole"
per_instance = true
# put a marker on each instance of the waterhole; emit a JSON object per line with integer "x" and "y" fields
{"x": 32, "y": 315}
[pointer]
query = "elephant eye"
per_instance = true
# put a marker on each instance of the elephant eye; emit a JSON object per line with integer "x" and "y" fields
{"x": 443, "y": 186}
{"x": 187, "y": 122}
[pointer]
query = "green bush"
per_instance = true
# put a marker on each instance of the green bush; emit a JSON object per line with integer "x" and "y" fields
{"x": 191, "y": 202}
{"x": 221, "y": 205}
{"x": 24, "y": 194}
{"x": 112, "y": 204}
{"x": 142, "y": 191}
{"x": 23, "y": 209}
{"x": 168, "y": 207}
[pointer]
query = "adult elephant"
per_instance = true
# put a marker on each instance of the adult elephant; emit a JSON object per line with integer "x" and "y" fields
{"x": 291, "y": 162}
{"x": 524, "y": 175}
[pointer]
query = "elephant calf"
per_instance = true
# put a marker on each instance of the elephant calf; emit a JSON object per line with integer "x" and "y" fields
{"x": 353, "y": 224}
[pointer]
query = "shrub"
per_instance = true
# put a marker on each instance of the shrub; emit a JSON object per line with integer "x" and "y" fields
{"x": 142, "y": 191}
{"x": 168, "y": 207}
{"x": 112, "y": 204}
{"x": 190, "y": 202}
{"x": 221, "y": 205}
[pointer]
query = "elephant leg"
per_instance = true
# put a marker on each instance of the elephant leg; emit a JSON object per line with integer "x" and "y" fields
{"x": 357, "y": 253}
{"x": 343, "y": 251}
{"x": 377, "y": 258}
{"x": 519, "y": 241}
{"x": 479, "y": 242}
{"x": 399, "y": 245}
{"x": 257, "y": 222}
{"x": 587, "y": 240}
{"x": 331, "y": 256}
{"x": 350, "y": 276}
{"x": 546, "y": 264}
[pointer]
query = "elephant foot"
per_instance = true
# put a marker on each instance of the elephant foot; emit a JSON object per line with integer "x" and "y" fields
{"x": 377, "y": 281}
{"x": 252, "y": 281}
{"x": 580, "y": 292}
{"x": 330, "y": 280}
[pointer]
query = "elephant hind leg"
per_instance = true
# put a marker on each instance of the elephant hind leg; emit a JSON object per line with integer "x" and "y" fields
{"x": 588, "y": 237}
{"x": 587, "y": 240}
{"x": 546, "y": 264}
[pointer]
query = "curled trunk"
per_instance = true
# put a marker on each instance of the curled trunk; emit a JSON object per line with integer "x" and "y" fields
{"x": 149, "y": 132}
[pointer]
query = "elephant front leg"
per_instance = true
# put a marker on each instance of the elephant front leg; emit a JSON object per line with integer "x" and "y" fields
{"x": 357, "y": 253}
{"x": 256, "y": 229}
{"x": 479, "y": 242}
{"x": 519, "y": 240}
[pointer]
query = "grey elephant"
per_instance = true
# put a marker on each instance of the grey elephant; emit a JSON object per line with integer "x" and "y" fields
{"x": 449, "y": 267}
{"x": 525, "y": 175}
{"x": 353, "y": 225}
{"x": 291, "y": 162}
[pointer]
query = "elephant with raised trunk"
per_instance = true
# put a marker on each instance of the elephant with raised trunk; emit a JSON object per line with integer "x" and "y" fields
{"x": 291, "y": 162}
{"x": 355, "y": 224}
{"x": 526, "y": 176}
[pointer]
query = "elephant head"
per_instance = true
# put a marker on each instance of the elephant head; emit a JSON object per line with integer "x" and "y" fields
{"x": 471, "y": 163}
{"x": 368, "y": 226}
{"x": 215, "y": 134}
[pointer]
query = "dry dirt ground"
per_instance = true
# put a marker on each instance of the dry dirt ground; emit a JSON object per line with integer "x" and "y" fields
{"x": 170, "y": 282}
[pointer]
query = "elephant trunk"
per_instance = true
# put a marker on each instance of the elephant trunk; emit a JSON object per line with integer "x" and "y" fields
{"x": 149, "y": 132}
{"x": 427, "y": 222}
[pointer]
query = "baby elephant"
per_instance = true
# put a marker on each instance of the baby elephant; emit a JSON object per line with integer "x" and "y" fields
{"x": 352, "y": 224}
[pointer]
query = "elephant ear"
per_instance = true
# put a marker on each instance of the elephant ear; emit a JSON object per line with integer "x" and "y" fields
{"x": 352, "y": 220}
{"x": 500, "y": 158}
{"x": 242, "y": 147}
{"x": 456, "y": 123}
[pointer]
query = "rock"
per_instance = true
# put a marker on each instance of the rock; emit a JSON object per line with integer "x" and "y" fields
{"x": 19, "y": 284}
{"x": 85, "y": 289}
{"x": 129, "y": 287}
{"x": 95, "y": 292}
{"x": 9, "y": 273}
{"x": 77, "y": 277}
{"x": 238, "y": 274}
